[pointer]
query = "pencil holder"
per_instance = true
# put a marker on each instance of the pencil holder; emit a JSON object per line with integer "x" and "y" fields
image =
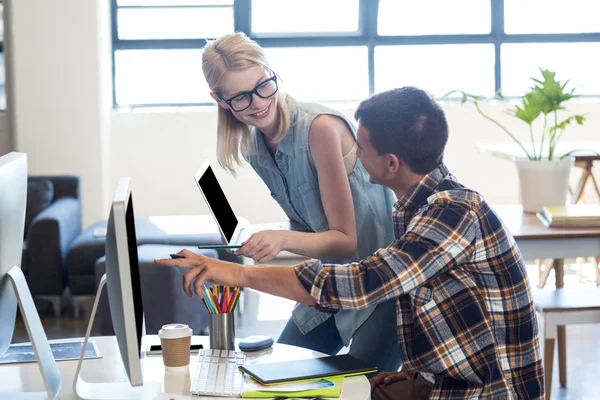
{"x": 221, "y": 331}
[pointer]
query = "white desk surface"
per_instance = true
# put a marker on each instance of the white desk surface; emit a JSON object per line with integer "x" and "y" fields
{"x": 175, "y": 386}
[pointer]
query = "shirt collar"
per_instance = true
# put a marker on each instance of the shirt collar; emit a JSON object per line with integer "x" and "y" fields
{"x": 422, "y": 190}
{"x": 288, "y": 145}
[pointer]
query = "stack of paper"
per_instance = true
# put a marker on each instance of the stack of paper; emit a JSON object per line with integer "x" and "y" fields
{"x": 571, "y": 216}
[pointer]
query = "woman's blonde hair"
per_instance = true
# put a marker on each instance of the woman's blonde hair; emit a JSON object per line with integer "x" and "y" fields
{"x": 234, "y": 52}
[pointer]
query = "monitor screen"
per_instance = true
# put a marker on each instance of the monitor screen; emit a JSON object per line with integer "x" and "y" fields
{"x": 123, "y": 282}
{"x": 218, "y": 203}
{"x": 134, "y": 269}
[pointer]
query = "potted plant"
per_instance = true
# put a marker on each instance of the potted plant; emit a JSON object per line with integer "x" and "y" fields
{"x": 543, "y": 176}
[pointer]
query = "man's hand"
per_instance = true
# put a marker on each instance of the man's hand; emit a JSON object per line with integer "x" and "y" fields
{"x": 387, "y": 378}
{"x": 263, "y": 246}
{"x": 202, "y": 269}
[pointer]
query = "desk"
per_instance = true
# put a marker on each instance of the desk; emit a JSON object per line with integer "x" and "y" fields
{"x": 175, "y": 386}
{"x": 583, "y": 159}
{"x": 537, "y": 241}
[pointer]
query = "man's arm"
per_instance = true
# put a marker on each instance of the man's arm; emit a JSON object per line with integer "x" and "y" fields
{"x": 278, "y": 281}
{"x": 439, "y": 238}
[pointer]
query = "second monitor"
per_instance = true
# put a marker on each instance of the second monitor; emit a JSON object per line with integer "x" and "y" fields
{"x": 126, "y": 307}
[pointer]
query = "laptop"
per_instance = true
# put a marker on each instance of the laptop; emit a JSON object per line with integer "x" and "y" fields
{"x": 233, "y": 230}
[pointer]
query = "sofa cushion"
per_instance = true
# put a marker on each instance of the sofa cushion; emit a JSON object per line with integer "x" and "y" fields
{"x": 40, "y": 193}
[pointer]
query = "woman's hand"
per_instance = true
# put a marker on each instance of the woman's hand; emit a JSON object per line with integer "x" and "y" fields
{"x": 202, "y": 269}
{"x": 263, "y": 246}
{"x": 387, "y": 378}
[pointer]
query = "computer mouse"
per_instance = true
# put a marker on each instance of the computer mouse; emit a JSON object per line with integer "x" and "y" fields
{"x": 255, "y": 343}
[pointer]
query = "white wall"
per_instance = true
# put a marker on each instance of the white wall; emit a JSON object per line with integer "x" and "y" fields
{"x": 61, "y": 79}
{"x": 162, "y": 150}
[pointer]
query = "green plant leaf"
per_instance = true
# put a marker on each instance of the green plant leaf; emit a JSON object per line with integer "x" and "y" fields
{"x": 553, "y": 91}
{"x": 579, "y": 119}
{"x": 533, "y": 104}
{"x": 547, "y": 95}
{"x": 465, "y": 97}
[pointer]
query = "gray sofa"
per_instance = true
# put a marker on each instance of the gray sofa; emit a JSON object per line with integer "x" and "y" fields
{"x": 88, "y": 247}
{"x": 52, "y": 222}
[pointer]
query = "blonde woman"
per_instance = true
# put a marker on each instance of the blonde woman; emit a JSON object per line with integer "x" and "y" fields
{"x": 306, "y": 155}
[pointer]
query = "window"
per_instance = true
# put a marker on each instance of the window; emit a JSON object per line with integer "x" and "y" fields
{"x": 433, "y": 17}
{"x": 552, "y": 16}
{"x": 157, "y": 49}
{"x": 174, "y": 23}
{"x": 322, "y": 73}
{"x": 520, "y": 62}
{"x": 160, "y": 76}
{"x": 289, "y": 16}
{"x": 436, "y": 68}
{"x": 343, "y": 50}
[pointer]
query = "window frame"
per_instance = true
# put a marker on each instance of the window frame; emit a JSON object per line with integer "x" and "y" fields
{"x": 366, "y": 35}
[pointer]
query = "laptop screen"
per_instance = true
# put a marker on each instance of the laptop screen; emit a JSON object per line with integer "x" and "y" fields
{"x": 218, "y": 203}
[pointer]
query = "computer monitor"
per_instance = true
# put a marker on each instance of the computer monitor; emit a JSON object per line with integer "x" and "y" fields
{"x": 13, "y": 200}
{"x": 122, "y": 280}
{"x": 124, "y": 286}
{"x": 13, "y": 286}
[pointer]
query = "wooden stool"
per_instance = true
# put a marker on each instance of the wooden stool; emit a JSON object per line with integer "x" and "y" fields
{"x": 558, "y": 308}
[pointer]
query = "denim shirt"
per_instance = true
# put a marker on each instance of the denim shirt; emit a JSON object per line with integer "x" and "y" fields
{"x": 291, "y": 176}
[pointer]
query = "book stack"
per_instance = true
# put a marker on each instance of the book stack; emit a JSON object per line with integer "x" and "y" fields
{"x": 571, "y": 216}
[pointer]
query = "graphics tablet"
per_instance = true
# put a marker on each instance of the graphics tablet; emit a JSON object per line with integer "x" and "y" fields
{"x": 343, "y": 365}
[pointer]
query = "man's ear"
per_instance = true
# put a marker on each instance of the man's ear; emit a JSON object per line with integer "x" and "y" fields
{"x": 393, "y": 163}
{"x": 219, "y": 101}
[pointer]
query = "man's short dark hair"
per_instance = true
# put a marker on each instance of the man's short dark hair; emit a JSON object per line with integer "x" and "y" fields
{"x": 407, "y": 122}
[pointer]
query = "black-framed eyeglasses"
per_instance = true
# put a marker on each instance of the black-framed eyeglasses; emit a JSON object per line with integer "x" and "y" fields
{"x": 242, "y": 101}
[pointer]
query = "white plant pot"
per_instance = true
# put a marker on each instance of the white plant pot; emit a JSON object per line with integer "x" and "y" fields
{"x": 543, "y": 183}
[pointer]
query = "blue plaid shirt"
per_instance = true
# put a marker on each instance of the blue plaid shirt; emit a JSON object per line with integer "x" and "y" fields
{"x": 465, "y": 312}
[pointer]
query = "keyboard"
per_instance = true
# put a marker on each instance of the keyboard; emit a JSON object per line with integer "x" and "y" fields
{"x": 217, "y": 373}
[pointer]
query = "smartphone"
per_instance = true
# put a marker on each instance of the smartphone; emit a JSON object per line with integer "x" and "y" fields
{"x": 157, "y": 349}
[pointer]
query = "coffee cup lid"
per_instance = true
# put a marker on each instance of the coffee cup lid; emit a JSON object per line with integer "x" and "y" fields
{"x": 174, "y": 331}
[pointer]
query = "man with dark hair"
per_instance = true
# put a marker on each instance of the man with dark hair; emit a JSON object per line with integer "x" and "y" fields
{"x": 465, "y": 315}
{"x": 408, "y": 123}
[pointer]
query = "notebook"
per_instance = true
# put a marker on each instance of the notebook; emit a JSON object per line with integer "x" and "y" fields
{"x": 343, "y": 365}
{"x": 322, "y": 387}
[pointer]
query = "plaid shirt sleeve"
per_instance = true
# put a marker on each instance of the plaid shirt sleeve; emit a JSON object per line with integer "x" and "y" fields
{"x": 440, "y": 236}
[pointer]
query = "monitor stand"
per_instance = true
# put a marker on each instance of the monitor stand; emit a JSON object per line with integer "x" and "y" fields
{"x": 39, "y": 341}
{"x": 108, "y": 390}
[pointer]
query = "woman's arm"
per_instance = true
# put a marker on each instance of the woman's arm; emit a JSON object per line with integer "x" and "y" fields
{"x": 326, "y": 136}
